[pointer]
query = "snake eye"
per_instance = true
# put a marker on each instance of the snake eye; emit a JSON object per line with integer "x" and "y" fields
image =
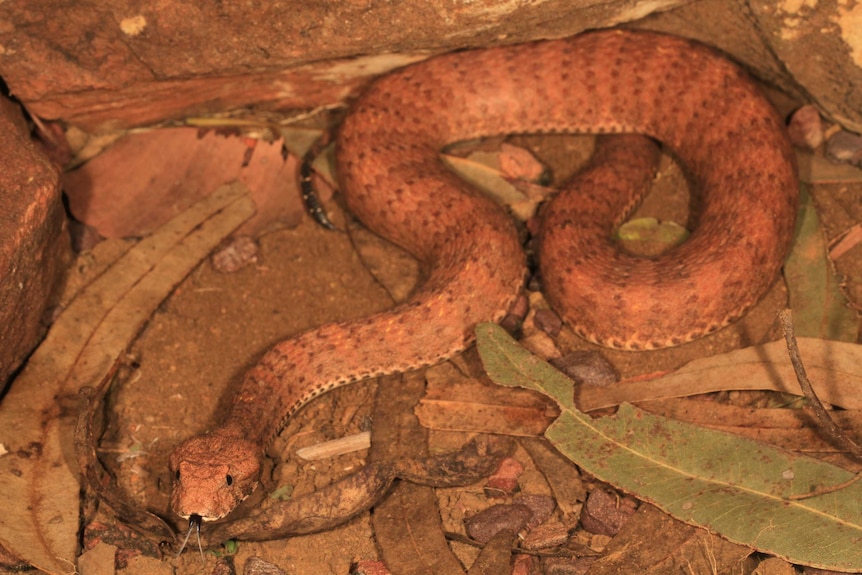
{"x": 229, "y": 480}
{"x": 177, "y": 475}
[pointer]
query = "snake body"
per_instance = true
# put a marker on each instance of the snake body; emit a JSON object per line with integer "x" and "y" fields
{"x": 699, "y": 105}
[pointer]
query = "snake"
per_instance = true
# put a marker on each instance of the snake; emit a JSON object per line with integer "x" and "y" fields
{"x": 705, "y": 110}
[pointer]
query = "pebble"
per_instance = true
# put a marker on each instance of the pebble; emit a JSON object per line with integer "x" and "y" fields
{"x": 541, "y": 505}
{"x": 257, "y": 566}
{"x": 484, "y": 525}
{"x": 806, "y": 127}
{"x": 548, "y": 321}
{"x": 605, "y": 513}
{"x": 546, "y": 536}
{"x": 504, "y": 481}
{"x": 588, "y": 368}
{"x": 369, "y": 567}
{"x": 845, "y": 147}
{"x": 240, "y": 252}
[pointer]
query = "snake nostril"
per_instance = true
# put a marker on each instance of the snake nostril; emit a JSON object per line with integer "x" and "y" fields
{"x": 229, "y": 480}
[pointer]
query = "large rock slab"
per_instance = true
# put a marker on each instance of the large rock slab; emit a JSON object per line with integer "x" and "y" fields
{"x": 107, "y": 65}
{"x": 34, "y": 241}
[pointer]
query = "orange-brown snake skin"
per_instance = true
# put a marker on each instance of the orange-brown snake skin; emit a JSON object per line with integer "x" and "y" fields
{"x": 705, "y": 111}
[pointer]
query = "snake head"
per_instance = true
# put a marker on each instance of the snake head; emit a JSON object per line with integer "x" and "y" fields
{"x": 213, "y": 473}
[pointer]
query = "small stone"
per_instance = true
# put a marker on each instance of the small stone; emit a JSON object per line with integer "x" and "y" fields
{"x": 541, "y": 505}
{"x": 548, "y": 321}
{"x": 504, "y": 481}
{"x": 98, "y": 560}
{"x": 520, "y": 163}
{"x": 484, "y": 525}
{"x": 845, "y": 147}
{"x": 240, "y": 252}
{"x": 587, "y": 368}
{"x": 541, "y": 345}
{"x": 526, "y": 565}
{"x": 546, "y": 536}
{"x": 224, "y": 566}
{"x": 806, "y": 128}
{"x": 605, "y": 513}
{"x": 514, "y": 320}
{"x": 257, "y": 566}
{"x": 369, "y": 567}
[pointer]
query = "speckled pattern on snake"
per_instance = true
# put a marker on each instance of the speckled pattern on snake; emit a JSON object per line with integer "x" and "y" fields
{"x": 704, "y": 109}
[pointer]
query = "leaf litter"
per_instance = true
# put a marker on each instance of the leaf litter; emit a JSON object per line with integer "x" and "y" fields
{"x": 739, "y": 488}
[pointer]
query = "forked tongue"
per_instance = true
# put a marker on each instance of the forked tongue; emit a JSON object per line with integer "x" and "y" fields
{"x": 194, "y": 525}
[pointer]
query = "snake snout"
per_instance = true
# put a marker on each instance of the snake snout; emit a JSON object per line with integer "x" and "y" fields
{"x": 212, "y": 475}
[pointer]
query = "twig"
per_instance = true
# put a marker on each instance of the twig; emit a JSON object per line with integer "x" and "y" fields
{"x": 824, "y": 420}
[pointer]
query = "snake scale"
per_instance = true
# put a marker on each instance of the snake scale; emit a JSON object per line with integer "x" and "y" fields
{"x": 703, "y": 108}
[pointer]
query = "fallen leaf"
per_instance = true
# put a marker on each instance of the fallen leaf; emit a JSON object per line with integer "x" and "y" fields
{"x": 484, "y": 177}
{"x": 145, "y": 179}
{"x": 561, "y": 474}
{"x": 496, "y": 556}
{"x": 845, "y": 242}
{"x": 731, "y": 485}
{"x": 410, "y": 508}
{"x": 648, "y": 236}
{"x": 834, "y": 367}
{"x": 819, "y": 307}
{"x": 272, "y": 184}
{"x": 791, "y": 429}
{"x": 454, "y": 402}
{"x": 816, "y": 169}
{"x": 681, "y": 548}
{"x": 299, "y": 140}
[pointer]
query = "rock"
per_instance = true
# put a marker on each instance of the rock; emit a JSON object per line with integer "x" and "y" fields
{"x": 605, "y": 513}
{"x": 806, "y": 127}
{"x": 34, "y": 240}
{"x": 845, "y": 147}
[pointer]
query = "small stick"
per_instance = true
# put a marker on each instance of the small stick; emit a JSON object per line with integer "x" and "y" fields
{"x": 824, "y": 420}
{"x": 827, "y": 424}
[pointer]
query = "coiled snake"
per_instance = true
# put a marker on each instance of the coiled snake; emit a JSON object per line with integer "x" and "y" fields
{"x": 700, "y": 106}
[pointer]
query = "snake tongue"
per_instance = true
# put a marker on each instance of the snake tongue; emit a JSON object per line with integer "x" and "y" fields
{"x": 194, "y": 525}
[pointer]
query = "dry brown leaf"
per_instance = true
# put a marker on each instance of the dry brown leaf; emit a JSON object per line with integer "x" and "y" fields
{"x": 454, "y": 402}
{"x": 40, "y": 519}
{"x": 561, "y": 474}
{"x": 681, "y": 548}
{"x": 145, "y": 179}
{"x": 790, "y": 429}
{"x": 846, "y": 242}
{"x": 409, "y": 508}
{"x": 816, "y": 169}
{"x": 481, "y": 170}
{"x": 496, "y": 557}
{"x": 835, "y": 369}
{"x": 272, "y": 184}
